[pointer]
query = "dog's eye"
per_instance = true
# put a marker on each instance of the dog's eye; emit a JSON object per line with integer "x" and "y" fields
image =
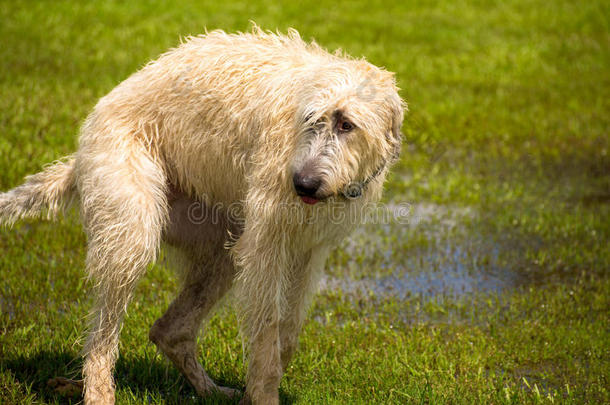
{"x": 345, "y": 126}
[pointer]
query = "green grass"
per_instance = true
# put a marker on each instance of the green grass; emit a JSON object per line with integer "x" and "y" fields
{"x": 507, "y": 143}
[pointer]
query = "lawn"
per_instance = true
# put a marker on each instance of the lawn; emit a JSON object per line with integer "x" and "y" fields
{"x": 494, "y": 290}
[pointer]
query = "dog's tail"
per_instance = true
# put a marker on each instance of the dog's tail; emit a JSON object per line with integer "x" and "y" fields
{"x": 49, "y": 191}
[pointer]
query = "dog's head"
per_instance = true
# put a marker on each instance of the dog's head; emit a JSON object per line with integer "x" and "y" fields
{"x": 348, "y": 132}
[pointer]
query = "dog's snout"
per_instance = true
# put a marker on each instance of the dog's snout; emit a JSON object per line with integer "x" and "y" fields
{"x": 306, "y": 184}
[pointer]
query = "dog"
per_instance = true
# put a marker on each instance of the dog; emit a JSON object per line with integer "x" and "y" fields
{"x": 246, "y": 154}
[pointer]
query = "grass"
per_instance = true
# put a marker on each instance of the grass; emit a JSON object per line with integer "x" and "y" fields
{"x": 496, "y": 293}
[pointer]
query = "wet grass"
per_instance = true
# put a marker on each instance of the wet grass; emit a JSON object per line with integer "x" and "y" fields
{"x": 495, "y": 290}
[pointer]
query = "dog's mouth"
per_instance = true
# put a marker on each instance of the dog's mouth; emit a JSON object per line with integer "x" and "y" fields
{"x": 312, "y": 199}
{"x": 309, "y": 200}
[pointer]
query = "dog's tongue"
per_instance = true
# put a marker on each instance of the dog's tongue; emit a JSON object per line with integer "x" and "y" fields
{"x": 309, "y": 200}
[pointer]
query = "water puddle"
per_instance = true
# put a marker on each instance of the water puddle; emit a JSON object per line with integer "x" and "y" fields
{"x": 439, "y": 253}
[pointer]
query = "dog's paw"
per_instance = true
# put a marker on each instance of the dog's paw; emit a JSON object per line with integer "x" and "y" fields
{"x": 66, "y": 387}
{"x": 231, "y": 393}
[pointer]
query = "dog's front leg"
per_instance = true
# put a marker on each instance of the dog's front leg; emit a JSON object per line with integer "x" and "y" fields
{"x": 302, "y": 282}
{"x": 264, "y": 370}
{"x": 261, "y": 260}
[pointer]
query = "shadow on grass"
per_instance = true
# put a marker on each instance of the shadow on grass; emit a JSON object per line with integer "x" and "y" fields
{"x": 140, "y": 379}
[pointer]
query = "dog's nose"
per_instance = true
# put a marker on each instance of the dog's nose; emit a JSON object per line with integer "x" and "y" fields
{"x": 306, "y": 185}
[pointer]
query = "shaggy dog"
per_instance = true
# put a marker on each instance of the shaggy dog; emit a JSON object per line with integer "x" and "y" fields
{"x": 248, "y": 154}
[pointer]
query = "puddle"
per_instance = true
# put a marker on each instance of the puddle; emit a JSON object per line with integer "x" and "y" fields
{"x": 451, "y": 271}
{"x": 439, "y": 253}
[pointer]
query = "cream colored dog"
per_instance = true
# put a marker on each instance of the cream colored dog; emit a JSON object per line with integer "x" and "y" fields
{"x": 248, "y": 154}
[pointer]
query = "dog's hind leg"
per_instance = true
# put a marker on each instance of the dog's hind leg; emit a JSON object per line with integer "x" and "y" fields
{"x": 207, "y": 274}
{"x": 124, "y": 209}
{"x": 175, "y": 333}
